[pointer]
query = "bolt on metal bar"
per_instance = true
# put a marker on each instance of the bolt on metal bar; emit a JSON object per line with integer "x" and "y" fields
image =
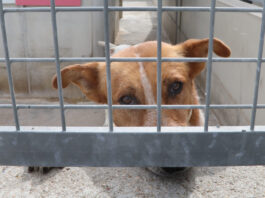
{"x": 158, "y": 83}
{"x": 128, "y": 59}
{"x": 57, "y": 61}
{"x": 139, "y": 9}
{"x": 108, "y": 70}
{"x": 8, "y": 66}
{"x": 209, "y": 65}
{"x": 256, "y": 91}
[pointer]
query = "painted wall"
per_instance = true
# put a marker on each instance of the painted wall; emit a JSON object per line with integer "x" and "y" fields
{"x": 232, "y": 83}
{"x": 30, "y": 35}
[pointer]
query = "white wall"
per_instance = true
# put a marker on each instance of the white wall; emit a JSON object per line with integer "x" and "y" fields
{"x": 232, "y": 83}
{"x": 30, "y": 35}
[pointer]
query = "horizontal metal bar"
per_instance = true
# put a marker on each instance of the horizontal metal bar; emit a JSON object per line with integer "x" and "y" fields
{"x": 57, "y": 9}
{"x": 140, "y": 9}
{"x": 174, "y": 146}
{"x": 142, "y": 130}
{"x": 132, "y": 59}
{"x": 217, "y": 9}
{"x": 62, "y": 59}
{"x": 212, "y": 106}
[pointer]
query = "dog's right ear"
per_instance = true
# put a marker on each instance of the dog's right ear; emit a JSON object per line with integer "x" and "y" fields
{"x": 85, "y": 76}
{"x": 199, "y": 48}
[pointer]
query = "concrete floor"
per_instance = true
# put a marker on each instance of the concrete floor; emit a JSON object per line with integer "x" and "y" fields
{"x": 92, "y": 182}
{"x": 51, "y": 117}
{"x": 232, "y": 182}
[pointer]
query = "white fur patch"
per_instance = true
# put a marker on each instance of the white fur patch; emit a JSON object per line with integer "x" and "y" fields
{"x": 146, "y": 85}
{"x": 201, "y": 114}
{"x": 114, "y": 48}
{"x": 149, "y": 96}
{"x": 201, "y": 117}
{"x": 106, "y": 123}
{"x": 118, "y": 48}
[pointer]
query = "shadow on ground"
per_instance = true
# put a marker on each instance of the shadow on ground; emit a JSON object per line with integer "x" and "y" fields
{"x": 138, "y": 182}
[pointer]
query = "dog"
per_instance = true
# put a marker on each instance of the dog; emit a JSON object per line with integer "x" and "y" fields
{"x": 136, "y": 83}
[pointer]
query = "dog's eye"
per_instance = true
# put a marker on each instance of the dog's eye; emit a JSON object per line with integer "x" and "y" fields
{"x": 128, "y": 100}
{"x": 175, "y": 88}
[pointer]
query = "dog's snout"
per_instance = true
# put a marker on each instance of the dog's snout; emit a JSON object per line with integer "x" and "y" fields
{"x": 172, "y": 122}
{"x": 168, "y": 118}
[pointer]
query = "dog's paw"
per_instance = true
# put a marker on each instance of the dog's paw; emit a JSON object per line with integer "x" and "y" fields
{"x": 43, "y": 170}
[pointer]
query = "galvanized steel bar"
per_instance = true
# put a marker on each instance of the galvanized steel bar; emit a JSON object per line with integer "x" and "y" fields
{"x": 256, "y": 91}
{"x": 158, "y": 68}
{"x": 187, "y": 9}
{"x": 57, "y": 9}
{"x": 141, "y": 129}
{"x": 70, "y": 106}
{"x": 208, "y": 9}
{"x": 108, "y": 69}
{"x": 57, "y": 61}
{"x": 209, "y": 65}
{"x": 8, "y": 66}
{"x": 128, "y": 59}
{"x": 82, "y": 148}
{"x": 148, "y": 8}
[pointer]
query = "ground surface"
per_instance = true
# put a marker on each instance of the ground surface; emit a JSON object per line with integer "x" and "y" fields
{"x": 132, "y": 182}
{"x": 121, "y": 182}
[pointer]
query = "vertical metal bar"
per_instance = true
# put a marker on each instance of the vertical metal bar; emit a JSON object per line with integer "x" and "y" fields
{"x": 57, "y": 61}
{"x": 107, "y": 54}
{"x": 159, "y": 30}
{"x": 209, "y": 65}
{"x": 8, "y": 66}
{"x": 256, "y": 91}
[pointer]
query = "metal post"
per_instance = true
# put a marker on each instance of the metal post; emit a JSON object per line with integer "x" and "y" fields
{"x": 107, "y": 54}
{"x": 256, "y": 92}
{"x": 57, "y": 61}
{"x": 8, "y": 66}
{"x": 159, "y": 30}
{"x": 209, "y": 66}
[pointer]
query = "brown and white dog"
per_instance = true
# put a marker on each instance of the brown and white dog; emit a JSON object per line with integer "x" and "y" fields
{"x": 136, "y": 82}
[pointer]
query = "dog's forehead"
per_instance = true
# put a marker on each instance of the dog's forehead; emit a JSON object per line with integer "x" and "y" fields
{"x": 149, "y": 49}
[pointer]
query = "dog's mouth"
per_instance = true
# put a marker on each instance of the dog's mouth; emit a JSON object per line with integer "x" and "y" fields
{"x": 149, "y": 119}
{"x": 182, "y": 122}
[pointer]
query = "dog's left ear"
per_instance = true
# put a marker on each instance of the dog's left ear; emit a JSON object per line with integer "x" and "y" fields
{"x": 199, "y": 48}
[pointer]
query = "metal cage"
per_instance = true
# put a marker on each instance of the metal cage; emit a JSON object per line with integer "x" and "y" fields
{"x": 132, "y": 146}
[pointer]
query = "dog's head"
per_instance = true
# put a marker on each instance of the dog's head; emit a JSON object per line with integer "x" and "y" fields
{"x": 136, "y": 82}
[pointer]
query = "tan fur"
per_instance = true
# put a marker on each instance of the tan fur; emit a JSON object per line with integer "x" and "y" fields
{"x": 126, "y": 79}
